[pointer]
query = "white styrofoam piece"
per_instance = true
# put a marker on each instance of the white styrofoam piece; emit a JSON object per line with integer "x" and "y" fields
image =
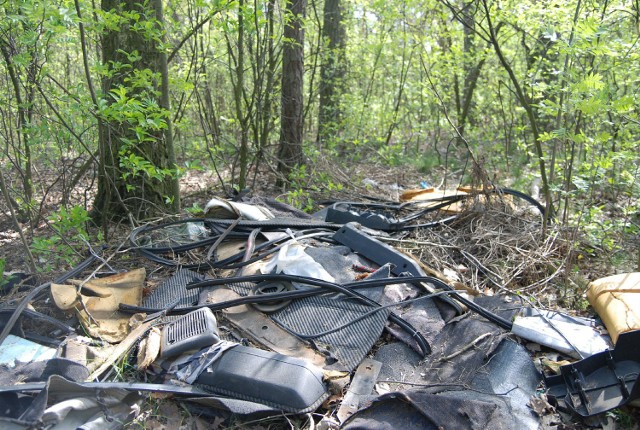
{"x": 15, "y": 349}
{"x": 587, "y": 340}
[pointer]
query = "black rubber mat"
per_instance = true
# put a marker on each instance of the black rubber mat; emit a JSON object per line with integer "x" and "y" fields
{"x": 174, "y": 288}
{"x": 314, "y": 315}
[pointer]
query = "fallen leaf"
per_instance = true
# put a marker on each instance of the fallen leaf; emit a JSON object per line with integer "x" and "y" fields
{"x": 332, "y": 401}
{"x": 149, "y": 348}
{"x": 554, "y": 366}
{"x": 540, "y": 405}
{"x": 334, "y": 374}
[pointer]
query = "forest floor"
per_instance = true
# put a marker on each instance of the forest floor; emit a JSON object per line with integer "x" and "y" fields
{"x": 549, "y": 269}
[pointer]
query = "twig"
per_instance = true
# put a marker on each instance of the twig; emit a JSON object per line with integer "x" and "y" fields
{"x": 466, "y": 347}
{"x": 312, "y": 424}
{"x": 30, "y": 260}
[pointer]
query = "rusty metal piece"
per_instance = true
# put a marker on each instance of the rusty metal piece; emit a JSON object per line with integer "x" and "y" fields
{"x": 362, "y": 384}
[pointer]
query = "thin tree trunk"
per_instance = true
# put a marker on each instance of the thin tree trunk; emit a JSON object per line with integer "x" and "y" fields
{"x": 333, "y": 70}
{"x": 524, "y": 102}
{"x": 165, "y": 103}
{"x": 23, "y": 135}
{"x": 291, "y": 121}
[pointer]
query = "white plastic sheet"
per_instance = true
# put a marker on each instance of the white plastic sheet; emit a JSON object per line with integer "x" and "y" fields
{"x": 534, "y": 328}
{"x": 292, "y": 260}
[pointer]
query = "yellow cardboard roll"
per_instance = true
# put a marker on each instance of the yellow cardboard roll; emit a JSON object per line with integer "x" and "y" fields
{"x": 617, "y": 300}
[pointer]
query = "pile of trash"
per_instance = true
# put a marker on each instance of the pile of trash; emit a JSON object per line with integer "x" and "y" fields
{"x": 264, "y": 310}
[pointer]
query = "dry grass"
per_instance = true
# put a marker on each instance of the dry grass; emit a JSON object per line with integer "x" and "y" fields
{"x": 497, "y": 246}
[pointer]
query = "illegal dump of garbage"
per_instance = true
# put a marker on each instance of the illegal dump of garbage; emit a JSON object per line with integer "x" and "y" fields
{"x": 438, "y": 311}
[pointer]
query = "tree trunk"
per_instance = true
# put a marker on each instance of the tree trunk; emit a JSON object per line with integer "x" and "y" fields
{"x": 291, "y": 116}
{"x": 136, "y": 177}
{"x": 333, "y": 70}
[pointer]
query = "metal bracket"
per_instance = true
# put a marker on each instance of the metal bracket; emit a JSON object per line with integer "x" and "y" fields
{"x": 381, "y": 253}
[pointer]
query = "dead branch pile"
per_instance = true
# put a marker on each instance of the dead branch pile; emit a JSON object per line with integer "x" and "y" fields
{"x": 495, "y": 246}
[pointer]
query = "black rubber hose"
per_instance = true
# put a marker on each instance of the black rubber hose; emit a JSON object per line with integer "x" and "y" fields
{"x": 35, "y": 315}
{"x": 298, "y": 294}
{"x": 422, "y": 342}
{"x": 401, "y": 224}
{"x": 212, "y": 224}
{"x": 433, "y": 208}
{"x": 457, "y": 198}
{"x": 153, "y": 253}
{"x": 497, "y": 319}
{"x": 233, "y": 262}
{"x": 369, "y": 313}
{"x": 218, "y": 226}
{"x": 525, "y": 197}
{"x": 367, "y": 283}
{"x": 23, "y": 304}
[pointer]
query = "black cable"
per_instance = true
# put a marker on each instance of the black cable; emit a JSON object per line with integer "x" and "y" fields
{"x": 40, "y": 317}
{"x": 324, "y": 285}
{"x": 227, "y": 263}
{"x": 241, "y": 262}
{"x": 217, "y": 228}
{"x": 377, "y": 215}
{"x": 366, "y": 283}
{"x": 246, "y": 300}
{"x": 525, "y": 197}
{"x": 433, "y": 208}
{"x": 23, "y": 304}
{"x": 505, "y": 324}
{"x": 422, "y": 342}
{"x": 298, "y": 294}
{"x": 371, "y": 312}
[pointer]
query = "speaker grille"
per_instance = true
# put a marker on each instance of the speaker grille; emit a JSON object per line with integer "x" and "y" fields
{"x": 195, "y": 330}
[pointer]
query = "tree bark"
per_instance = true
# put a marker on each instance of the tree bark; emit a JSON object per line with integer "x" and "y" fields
{"x": 291, "y": 117}
{"x": 136, "y": 177}
{"x": 333, "y": 70}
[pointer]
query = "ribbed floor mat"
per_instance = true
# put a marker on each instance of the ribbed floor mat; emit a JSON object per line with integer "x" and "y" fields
{"x": 172, "y": 289}
{"x": 315, "y": 315}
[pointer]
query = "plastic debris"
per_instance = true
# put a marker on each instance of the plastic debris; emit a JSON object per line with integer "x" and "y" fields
{"x": 292, "y": 260}
{"x": 571, "y": 338}
{"x": 617, "y": 300}
{"x": 15, "y": 349}
{"x": 225, "y": 209}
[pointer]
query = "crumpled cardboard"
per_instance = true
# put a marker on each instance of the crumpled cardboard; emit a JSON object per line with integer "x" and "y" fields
{"x": 96, "y": 302}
